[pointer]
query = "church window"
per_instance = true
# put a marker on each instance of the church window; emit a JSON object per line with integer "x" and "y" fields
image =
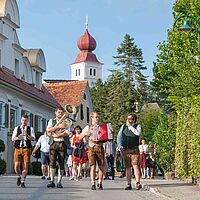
{"x": 76, "y": 73}
{"x": 79, "y": 72}
{"x": 84, "y": 96}
{"x": 94, "y": 72}
{"x": 90, "y": 71}
{"x": 88, "y": 115}
{"x": 81, "y": 112}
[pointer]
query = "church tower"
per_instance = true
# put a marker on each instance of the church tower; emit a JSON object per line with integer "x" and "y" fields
{"x": 86, "y": 66}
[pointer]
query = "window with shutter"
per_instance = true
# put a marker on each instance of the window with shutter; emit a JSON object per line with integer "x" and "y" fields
{"x": 6, "y": 115}
{"x": 44, "y": 124}
{"x": 1, "y": 114}
{"x": 36, "y": 123}
{"x": 13, "y": 119}
{"x": 31, "y": 119}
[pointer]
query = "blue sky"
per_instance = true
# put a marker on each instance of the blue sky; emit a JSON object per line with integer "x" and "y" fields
{"x": 55, "y": 27}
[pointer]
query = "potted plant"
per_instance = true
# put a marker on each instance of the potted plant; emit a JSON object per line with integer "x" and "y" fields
{"x": 2, "y": 162}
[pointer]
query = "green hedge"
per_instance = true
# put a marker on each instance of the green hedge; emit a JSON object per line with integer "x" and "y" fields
{"x": 188, "y": 137}
{"x": 164, "y": 137}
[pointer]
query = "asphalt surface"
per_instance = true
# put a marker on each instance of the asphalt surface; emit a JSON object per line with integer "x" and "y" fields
{"x": 36, "y": 189}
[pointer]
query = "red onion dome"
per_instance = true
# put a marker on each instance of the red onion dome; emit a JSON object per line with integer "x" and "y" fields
{"x": 86, "y": 42}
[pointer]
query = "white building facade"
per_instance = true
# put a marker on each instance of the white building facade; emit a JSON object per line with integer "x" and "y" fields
{"x": 21, "y": 90}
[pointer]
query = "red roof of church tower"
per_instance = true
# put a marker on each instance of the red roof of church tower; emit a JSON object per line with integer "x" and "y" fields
{"x": 86, "y": 44}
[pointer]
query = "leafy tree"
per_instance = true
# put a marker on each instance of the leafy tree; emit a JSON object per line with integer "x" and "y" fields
{"x": 120, "y": 99}
{"x": 148, "y": 119}
{"x": 99, "y": 94}
{"x": 131, "y": 60}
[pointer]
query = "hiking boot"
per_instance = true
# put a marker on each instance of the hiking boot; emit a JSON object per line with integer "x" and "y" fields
{"x": 93, "y": 187}
{"x": 59, "y": 185}
{"x": 18, "y": 181}
{"x": 43, "y": 177}
{"x": 100, "y": 187}
{"x": 51, "y": 184}
{"x": 128, "y": 187}
{"x": 23, "y": 185}
{"x": 138, "y": 186}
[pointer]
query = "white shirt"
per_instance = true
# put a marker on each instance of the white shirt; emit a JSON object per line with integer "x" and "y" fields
{"x": 50, "y": 124}
{"x": 23, "y": 142}
{"x": 136, "y": 131}
{"x": 94, "y": 134}
{"x": 143, "y": 148}
{"x": 43, "y": 143}
{"x": 32, "y": 133}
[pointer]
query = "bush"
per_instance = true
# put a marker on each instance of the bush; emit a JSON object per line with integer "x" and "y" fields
{"x": 36, "y": 168}
{"x": 2, "y": 166}
{"x": 2, "y": 162}
{"x": 2, "y": 146}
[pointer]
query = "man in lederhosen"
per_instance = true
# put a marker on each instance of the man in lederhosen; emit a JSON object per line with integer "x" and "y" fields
{"x": 95, "y": 150}
{"x": 22, "y": 137}
{"x": 57, "y": 147}
{"x": 128, "y": 142}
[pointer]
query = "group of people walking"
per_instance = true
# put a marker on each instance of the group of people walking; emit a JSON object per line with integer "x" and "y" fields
{"x": 86, "y": 147}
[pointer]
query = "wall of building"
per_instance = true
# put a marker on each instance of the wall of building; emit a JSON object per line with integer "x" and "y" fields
{"x": 86, "y": 71}
{"x": 13, "y": 101}
{"x": 18, "y": 104}
{"x": 87, "y": 108}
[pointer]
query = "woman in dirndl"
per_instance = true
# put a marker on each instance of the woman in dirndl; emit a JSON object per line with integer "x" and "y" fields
{"x": 79, "y": 153}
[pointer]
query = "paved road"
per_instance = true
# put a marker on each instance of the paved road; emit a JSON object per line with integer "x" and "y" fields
{"x": 36, "y": 190}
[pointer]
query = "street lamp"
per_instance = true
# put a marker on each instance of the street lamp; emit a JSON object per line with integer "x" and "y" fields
{"x": 186, "y": 25}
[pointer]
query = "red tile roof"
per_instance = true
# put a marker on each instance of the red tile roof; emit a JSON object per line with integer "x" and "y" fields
{"x": 24, "y": 87}
{"x": 67, "y": 91}
{"x": 86, "y": 56}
